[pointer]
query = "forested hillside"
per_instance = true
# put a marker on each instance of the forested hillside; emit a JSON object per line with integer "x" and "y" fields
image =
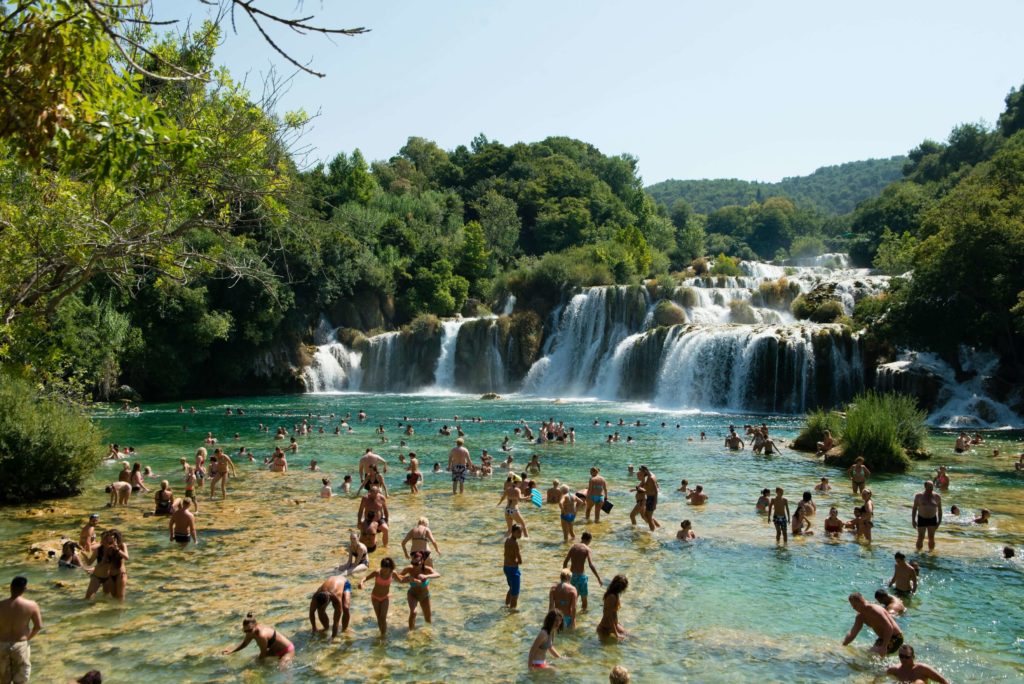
{"x": 833, "y": 190}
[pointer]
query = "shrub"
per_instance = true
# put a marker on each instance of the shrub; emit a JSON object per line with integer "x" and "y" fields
{"x": 686, "y": 297}
{"x": 726, "y": 266}
{"x": 880, "y": 428}
{"x": 425, "y": 326}
{"x": 47, "y": 446}
{"x": 741, "y": 312}
{"x": 816, "y": 309}
{"x": 668, "y": 313}
{"x": 814, "y": 431}
{"x": 804, "y": 246}
{"x": 776, "y": 294}
{"x": 699, "y": 266}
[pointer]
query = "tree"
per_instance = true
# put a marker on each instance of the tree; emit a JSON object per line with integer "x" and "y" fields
{"x": 501, "y": 224}
{"x": 680, "y": 214}
{"x": 475, "y": 258}
{"x": 1012, "y": 118}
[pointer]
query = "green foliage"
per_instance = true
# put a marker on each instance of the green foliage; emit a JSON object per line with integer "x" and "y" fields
{"x": 805, "y": 246}
{"x": 814, "y": 430}
{"x": 741, "y": 312}
{"x": 895, "y": 253}
{"x": 47, "y": 447}
{"x": 667, "y": 313}
{"x": 831, "y": 189}
{"x": 475, "y": 258}
{"x": 686, "y": 297}
{"x": 879, "y": 428}
{"x": 776, "y": 294}
{"x": 817, "y": 310}
{"x": 726, "y": 266}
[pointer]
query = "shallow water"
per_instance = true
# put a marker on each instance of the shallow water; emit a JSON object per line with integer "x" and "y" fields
{"x": 730, "y": 607}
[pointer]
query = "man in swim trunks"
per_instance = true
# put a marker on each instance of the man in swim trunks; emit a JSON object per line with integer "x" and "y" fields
{"x": 336, "y": 591}
{"x": 649, "y": 485}
{"x": 778, "y": 511}
{"x": 513, "y": 559}
{"x": 890, "y": 637}
{"x": 910, "y": 671}
{"x": 597, "y": 491}
{"x": 15, "y": 615}
{"x": 577, "y": 560}
{"x": 182, "y": 525}
{"x": 926, "y": 515}
{"x": 733, "y": 441}
{"x": 459, "y": 463}
{"x": 568, "y": 506}
{"x": 368, "y": 460}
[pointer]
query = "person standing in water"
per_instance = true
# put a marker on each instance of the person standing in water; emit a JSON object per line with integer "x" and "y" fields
{"x": 545, "y": 642}
{"x": 16, "y": 613}
{"x": 609, "y": 627}
{"x": 859, "y": 474}
{"x": 649, "y": 484}
{"x": 459, "y": 464}
{"x": 562, "y": 598}
{"x": 512, "y": 514}
{"x": 904, "y": 577}
{"x": 926, "y": 515}
{"x": 420, "y": 536}
{"x": 513, "y": 559}
{"x": 778, "y": 511}
{"x": 597, "y": 492}
{"x": 418, "y": 574}
{"x": 380, "y": 596}
{"x": 225, "y": 466}
{"x": 568, "y": 505}
{"x": 182, "y": 525}
{"x": 336, "y": 591}
{"x": 87, "y": 537}
{"x": 269, "y": 641}
{"x": 577, "y": 559}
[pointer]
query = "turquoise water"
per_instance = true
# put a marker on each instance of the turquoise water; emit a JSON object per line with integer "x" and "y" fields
{"x": 730, "y": 607}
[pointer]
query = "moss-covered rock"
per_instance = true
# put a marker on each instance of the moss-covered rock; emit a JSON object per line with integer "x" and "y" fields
{"x": 668, "y": 313}
{"x": 741, "y": 312}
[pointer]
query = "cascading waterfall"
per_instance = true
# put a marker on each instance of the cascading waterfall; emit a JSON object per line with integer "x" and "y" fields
{"x": 335, "y": 367}
{"x": 444, "y": 372}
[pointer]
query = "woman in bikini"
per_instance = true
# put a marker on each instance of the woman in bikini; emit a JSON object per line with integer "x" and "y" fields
{"x": 545, "y": 642}
{"x": 164, "y": 500}
{"x": 200, "y": 467}
{"x": 267, "y": 639}
{"x": 512, "y": 514}
{"x": 418, "y": 574}
{"x": 136, "y": 481}
{"x": 859, "y": 474}
{"x": 380, "y": 597}
{"x": 368, "y": 531}
{"x": 420, "y": 536}
{"x": 110, "y": 572}
{"x": 609, "y": 627}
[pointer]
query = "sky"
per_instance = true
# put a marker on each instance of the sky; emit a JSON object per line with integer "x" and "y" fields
{"x": 723, "y": 89}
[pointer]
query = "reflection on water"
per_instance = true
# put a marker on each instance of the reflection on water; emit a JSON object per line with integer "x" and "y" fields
{"x": 729, "y": 607}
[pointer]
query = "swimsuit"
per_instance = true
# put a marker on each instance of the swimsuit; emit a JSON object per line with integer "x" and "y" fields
{"x": 597, "y": 498}
{"x": 779, "y": 520}
{"x": 652, "y": 503}
{"x": 513, "y": 576}
{"x": 894, "y": 642}
{"x": 580, "y": 582}
{"x": 380, "y": 582}
{"x": 419, "y": 585}
{"x": 459, "y": 472}
{"x": 182, "y": 538}
{"x": 163, "y": 507}
{"x": 927, "y": 522}
{"x": 511, "y": 511}
{"x": 273, "y": 640}
{"x": 569, "y": 517}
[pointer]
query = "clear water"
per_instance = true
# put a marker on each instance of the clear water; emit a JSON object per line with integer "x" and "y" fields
{"x": 731, "y": 607}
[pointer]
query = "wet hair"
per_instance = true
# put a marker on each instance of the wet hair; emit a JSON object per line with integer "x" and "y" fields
{"x": 900, "y": 556}
{"x": 619, "y": 584}
{"x": 883, "y": 597}
{"x": 516, "y": 527}
{"x": 18, "y": 584}
{"x": 249, "y": 621}
{"x": 91, "y": 677}
{"x": 807, "y": 496}
{"x": 685, "y": 524}
{"x": 766, "y": 491}
{"x": 321, "y": 598}
{"x": 909, "y": 648}
{"x": 552, "y": 621}
{"x": 1008, "y": 552}
{"x": 586, "y": 537}
{"x": 387, "y": 563}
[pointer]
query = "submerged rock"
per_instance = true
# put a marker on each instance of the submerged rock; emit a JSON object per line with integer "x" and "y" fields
{"x": 490, "y": 396}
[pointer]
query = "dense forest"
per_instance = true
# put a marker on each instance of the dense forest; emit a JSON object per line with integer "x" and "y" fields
{"x": 831, "y": 190}
{"x": 158, "y": 233}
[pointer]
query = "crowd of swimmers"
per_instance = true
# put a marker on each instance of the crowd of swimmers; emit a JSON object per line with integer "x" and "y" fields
{"x": 104, "y": 556}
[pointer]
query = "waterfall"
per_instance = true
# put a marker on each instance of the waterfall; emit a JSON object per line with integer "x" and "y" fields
{"x": 335, "y": 367}
{"x": 444, "y": 372}
{"x": 378, "y": 362}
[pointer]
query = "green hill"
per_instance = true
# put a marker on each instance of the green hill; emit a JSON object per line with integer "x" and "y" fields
{"x": 833, "y": 190}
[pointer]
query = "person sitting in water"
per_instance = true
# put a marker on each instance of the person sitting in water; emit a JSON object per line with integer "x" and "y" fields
{"x": 823, "y": 486}
{"x": 358, "y": 560}
{"x": 910, "y": 671}
{"x": 686, "y": 532}
{"x": 545, "y": 642}
{"x": 313, "y": 466}
{"x": 962, "y": 443}
{"x": 764, "y": 500}
{"x": 891, "y": 603}
{"x": 326, "y": 492}
{"x": 684, "y": 486}
{"x": 69, "y": 555}
{"x": 164, "y": 500}
{"x": 983, "y": 517}
{"x": 697, "y": 497}
{"x": 833, "y": 525}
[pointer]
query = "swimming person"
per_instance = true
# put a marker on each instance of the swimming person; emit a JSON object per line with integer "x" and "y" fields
{"x": 562, "y": 597}
{"x": 686, "y": 532}
{"x": 577, "y": 559}
{"x": 597, "y": 491}
{"x": 911, "y": 671}
{"x": 823, "y": 486}
{"x": 609, "y": 627}
{"x": 545, "y": 642}
{"x": 182, "y": 525}
{"x": 380, "y": 596}
{"x": 890, "y": 637}
{"x": 418, "y": 574}
{"x": 513, "y": 559}
{"x": 697, "y": 497}
{"x": 269, "y": 641}
{"x": 778, "y": 511}
{"x": 926, "y": 515}
{"x": 337, "y": 592}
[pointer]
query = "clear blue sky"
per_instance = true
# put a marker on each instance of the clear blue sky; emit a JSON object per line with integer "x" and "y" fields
{"x": 753, "y": 90}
